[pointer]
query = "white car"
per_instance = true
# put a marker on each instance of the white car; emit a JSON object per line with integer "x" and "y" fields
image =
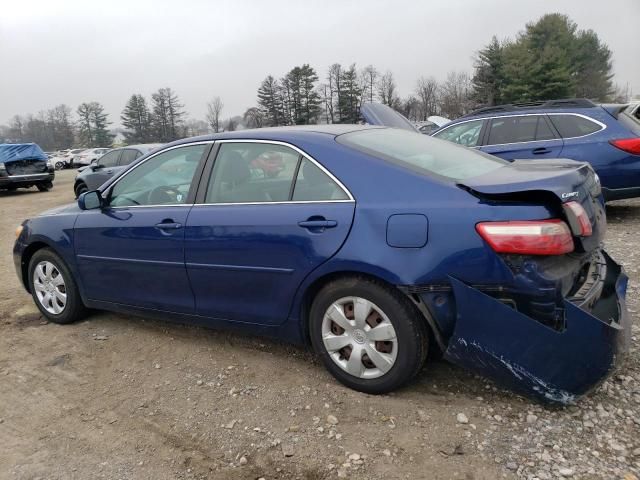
{"x": 433, "y": 123}
{"x": 89, "y": 155}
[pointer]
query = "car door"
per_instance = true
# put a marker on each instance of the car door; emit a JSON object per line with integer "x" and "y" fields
{"x": 253, "y": 235}
{"x": 131, "y": 251}
{"x": 522, "y": 136}
{"x": 103, "y": 169}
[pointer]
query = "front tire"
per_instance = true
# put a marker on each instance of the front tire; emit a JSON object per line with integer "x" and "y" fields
{"x": 45, "y": 187}
{"x": 368, "y": 335}
{"x": 80, "y": 189}
{"x": 53, "y": 288}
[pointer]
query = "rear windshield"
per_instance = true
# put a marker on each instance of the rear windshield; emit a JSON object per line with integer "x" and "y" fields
{"x": 421, "y": 153}
{"x": 630, "y": 118}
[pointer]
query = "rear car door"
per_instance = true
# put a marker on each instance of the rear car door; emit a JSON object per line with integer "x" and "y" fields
{"x": 253, "y": 235}
{"x": 131, "y": 251}
{"x": 522, "y": 136}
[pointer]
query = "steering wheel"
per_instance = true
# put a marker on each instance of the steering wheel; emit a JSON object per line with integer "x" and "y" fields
{"x": 164, "y": 194}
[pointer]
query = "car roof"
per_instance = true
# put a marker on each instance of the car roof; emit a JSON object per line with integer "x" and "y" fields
{"x": 289, "y": 133}
{"x": 143, "y": 147}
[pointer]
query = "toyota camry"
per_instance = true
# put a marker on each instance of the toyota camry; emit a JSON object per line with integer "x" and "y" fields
{"x": 373, "y": 245}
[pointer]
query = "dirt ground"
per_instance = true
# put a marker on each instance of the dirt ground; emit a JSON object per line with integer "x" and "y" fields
{"x": 121, "y": 397}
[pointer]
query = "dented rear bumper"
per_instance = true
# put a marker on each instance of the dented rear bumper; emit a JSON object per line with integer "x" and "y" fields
{"x": 554, "y": 365}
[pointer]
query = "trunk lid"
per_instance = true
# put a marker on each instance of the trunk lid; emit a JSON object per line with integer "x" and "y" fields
{"x": 553, "y": 181}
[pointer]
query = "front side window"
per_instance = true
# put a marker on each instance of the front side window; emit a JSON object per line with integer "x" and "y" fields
{"x": 164, "y": 179}
{"x": 421, "y": 153}
{"x": 467, "y": 133}
{"x": 570, "y": 126}
{"x": 512, "y": 130}
{"x": 110, "y": 159}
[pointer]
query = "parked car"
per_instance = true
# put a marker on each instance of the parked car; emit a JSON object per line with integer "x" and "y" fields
{"x": 25, "y": 165}
{"x": 89, "y": 155}
{"x": 108, "y": 165}
{"x": 71, "y": 155}
{"x": 58, "y": 159}
{"x": 432, "y": 124}
{"x": 608, "y": 137}
{"x": 373, "y": 244}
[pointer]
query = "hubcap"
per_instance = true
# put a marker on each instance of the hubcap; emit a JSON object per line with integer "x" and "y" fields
{"x": 359, "y": 337}
{"x": 50, "y": 288}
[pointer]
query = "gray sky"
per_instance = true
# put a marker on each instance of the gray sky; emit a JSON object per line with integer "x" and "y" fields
{"x": 71, "y": 51}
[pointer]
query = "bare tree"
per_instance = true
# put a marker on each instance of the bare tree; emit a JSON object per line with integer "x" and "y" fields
{"x": 214, "y": 110}
{"x": 231, "y": 125}
{"x": 455, "y": 95}
{"x": 369, "y": 78}
{"x": 387, "y": 90}
{"x": 253, "y": 118}
{"x": 427, "y": 92}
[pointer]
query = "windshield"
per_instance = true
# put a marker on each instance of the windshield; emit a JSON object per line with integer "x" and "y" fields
{"x": 421, "y": 153}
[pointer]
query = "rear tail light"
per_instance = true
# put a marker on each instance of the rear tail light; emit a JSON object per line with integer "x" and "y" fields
{"x": 629, "y": 145}
{"x": 578, "y": 219}
{"x": 538, "y": 237}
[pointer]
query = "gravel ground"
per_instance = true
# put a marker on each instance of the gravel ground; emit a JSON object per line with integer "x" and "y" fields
{"x": 120, "y": 397}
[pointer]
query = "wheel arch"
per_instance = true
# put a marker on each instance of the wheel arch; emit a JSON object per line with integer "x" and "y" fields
{"x": 27, "y": 254}
{"x": 312, "y": 289}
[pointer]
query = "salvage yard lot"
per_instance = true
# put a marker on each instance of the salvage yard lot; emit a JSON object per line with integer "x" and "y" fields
{"x": 123, "y": 397}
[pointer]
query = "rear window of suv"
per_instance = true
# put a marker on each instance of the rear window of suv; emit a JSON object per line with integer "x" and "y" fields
{"x": 573, "y": 125}
{"x": 421, "y": 153}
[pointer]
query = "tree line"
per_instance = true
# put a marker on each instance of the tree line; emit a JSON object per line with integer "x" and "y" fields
{"x": 551, "y": 58}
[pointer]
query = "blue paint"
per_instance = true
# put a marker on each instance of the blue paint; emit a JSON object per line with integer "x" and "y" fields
{"x": 253, "y": 266}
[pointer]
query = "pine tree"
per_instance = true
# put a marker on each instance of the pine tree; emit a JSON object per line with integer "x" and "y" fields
{"x": 270, "y": 102}
{"x": 489, "y": 74}
{"x": 136, "y": 118}
{"x": 349, "y": 95}
{"x": 92, "y": 126}
{"x": 551, "y": 59}
{"x": 167, "y": 116}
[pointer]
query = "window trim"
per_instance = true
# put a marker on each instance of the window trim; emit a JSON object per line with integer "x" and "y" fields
{"x": 485, "y": 144}
{"x": 209, "y": 171}
{"x": 199, "y": 171}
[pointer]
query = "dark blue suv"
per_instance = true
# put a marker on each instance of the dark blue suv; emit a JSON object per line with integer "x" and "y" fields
{"x": 606, "y": 136}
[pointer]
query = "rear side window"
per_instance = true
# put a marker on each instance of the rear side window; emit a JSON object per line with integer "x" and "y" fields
{"x": 128, "y": 156}
{"x": 467, "y": 133}
{"x": 109, "y": 159}
{"x": 312, "y": 184}
{"x": 518, "y": 129}
{"x": 421, "y": 153}
{"x": 573, "y": 126}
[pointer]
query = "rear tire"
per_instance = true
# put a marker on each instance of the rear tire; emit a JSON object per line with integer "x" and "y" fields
{"x": 45, "y": 187}
{"x": 387, "y": 358}
{"x": 59, "y": 165}
{"x": 53, "y": 288}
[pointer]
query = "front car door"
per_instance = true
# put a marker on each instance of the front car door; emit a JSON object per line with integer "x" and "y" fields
{"x": 522, "y": 136}
{"x": 267, "y": 216}
{"x": 131, "y": 252}
{"x": 103, "y": 169}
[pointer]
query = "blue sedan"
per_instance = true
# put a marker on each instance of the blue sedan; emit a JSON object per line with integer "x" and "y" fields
{"x": 373, "y": 245}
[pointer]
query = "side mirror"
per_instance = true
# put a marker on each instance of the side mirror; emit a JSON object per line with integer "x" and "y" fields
{"x": 90, "y": 200}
